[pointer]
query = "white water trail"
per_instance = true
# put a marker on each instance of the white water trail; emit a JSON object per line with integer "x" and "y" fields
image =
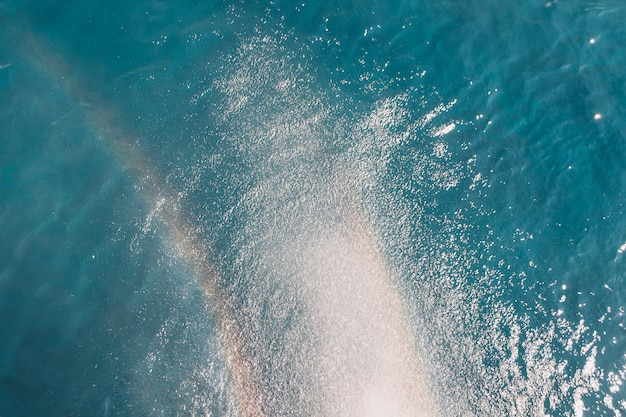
{"x": 328, "y": 321}
{"x": 323, "y": 317}
{"x": 365, "y": 346}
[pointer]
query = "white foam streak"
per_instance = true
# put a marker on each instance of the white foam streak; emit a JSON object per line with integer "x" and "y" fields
{"x": 362, "y": 329}
{"x": 324, "y": 316}
{"x": 360, "y": 357}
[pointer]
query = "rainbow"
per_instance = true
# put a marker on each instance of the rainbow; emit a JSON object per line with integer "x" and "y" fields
{"x": 365, "y": 362}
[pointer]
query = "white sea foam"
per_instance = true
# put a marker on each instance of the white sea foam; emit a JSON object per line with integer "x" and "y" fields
{"x": 324, "y": 315}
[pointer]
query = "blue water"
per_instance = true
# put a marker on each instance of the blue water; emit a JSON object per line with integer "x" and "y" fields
{"x": 312, "y": 209}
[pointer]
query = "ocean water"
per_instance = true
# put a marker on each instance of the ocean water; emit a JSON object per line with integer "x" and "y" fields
{"x": 377, "y": 209}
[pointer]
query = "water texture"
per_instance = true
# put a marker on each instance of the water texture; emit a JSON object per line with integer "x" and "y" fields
{"x": 408, "y": 208}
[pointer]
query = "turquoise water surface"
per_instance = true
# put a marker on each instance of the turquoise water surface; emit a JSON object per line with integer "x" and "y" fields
{"x": 375, "y": 209}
